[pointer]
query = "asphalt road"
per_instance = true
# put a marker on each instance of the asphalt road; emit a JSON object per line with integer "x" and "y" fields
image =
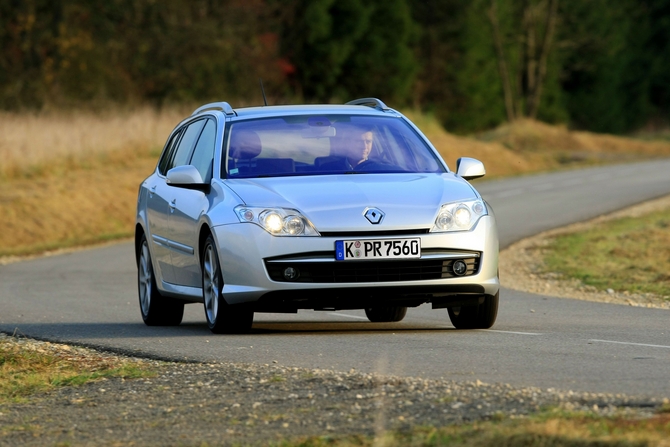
{"x": 89, "y": 297}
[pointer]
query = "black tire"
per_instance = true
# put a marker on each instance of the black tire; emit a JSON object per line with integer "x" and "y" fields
{"x": 222, "y": 318}
{"x": 481, "y": 316}
{"x": 386, "y": 314}
{"x": 156, "y": 309}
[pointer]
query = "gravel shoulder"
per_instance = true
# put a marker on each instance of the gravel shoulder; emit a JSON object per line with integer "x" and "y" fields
{"x": 233, "y": 404}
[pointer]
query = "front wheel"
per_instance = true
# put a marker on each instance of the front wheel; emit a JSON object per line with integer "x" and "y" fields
{"x": 388, "y": 314}
{"x": 221, "y": 317}
{"x": 157, "y": 310}
{"x": 481, "y": 316}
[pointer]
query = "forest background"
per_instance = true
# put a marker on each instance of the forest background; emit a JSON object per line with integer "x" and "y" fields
{"x": 598, "y": 65}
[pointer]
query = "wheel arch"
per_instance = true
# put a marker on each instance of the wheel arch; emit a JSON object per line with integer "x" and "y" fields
{"x": 139, "y": 232}
{"x": 202, "y": 237}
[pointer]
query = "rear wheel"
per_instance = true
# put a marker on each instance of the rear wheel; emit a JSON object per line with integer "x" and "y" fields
{"x": 157, "y": 310}
{"x": 386, "y": 314}
{"x": 221, "y": 317}
{"x": 481, "y": 316}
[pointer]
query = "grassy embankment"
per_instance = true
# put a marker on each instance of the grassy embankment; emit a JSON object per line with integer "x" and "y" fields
{"x": 71, "y": 179}
{"x": 627, "y": 254}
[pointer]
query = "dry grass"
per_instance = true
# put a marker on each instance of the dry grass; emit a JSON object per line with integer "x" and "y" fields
{"x": 34, "y": 145}
{"x": 527, "y": 146}
{"x": 498, "y": 159}
{"x": 71, "y": 179}
{"x": 78, "y": 207}
{"x": 534, "y": 136}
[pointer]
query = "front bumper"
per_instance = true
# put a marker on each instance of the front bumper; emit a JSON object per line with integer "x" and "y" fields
{"x": 247, "y": 254}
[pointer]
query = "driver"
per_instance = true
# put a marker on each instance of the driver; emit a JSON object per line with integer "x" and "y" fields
{"x": 352, "y": 145}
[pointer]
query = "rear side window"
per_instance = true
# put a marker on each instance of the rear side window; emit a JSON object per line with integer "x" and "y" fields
{"x": 168, "y": 153}
{"x": 203, "y": 154}
{"x": 183, "y": 152}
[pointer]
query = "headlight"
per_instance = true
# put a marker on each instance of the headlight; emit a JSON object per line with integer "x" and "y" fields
{"x": 459, "y": 216}
{"x": 277, "y": 221}
{"x": 271, "y": 221}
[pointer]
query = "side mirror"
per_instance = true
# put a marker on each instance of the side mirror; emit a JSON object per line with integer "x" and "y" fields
{"x": 186, "y": 176}
{"x": 470, "y": 168}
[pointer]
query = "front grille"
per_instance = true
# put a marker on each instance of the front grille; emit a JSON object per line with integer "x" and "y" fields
{"x": 370, "y": 271}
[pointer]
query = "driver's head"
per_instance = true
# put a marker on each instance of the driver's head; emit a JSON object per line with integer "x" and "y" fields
{"x": 366, "y": 138}
{"x": 354, "y": 142}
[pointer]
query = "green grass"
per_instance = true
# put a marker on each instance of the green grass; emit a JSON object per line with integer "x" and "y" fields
{"x": 552, "y": 428}
{"x": 29, "y": 369}
{"x": 630, "y": 254}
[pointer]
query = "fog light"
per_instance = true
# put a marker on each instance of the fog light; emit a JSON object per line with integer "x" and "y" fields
{"x": 459, "y": 268}
{"x": 291, "y": 274}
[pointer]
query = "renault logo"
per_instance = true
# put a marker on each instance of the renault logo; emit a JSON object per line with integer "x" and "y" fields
{"x": 374, "y": 215}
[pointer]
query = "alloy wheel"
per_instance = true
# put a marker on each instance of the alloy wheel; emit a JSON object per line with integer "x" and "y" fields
{"x": 211, "y": 286}
{"x": 145, "y": 278}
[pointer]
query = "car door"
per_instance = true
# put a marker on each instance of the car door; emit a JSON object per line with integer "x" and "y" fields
{"x": 190, "y": 205}
{"x": 177, "y": 197}
{"x": 158, "y": 195}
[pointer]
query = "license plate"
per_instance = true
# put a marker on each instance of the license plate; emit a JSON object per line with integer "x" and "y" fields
{"x": 352, "y": 250}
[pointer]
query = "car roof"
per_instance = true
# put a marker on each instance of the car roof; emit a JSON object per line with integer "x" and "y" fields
{"x": 363, "y": 106}
{"x": 268, "y": 111}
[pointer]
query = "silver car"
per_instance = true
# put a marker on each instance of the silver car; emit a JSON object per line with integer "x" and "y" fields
{"x": 323, "y": 207}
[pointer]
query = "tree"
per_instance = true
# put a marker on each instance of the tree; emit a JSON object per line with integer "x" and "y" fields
{"x": 657, "y": 49}
{"x": 346, "y": 48}
{"x": 439, "y": 49}
{"x": 537, "y": 20}
{"x": 382, "y": 64}
{"x": 29, "y": 57}
{"x": 317, "y": 37}
{"x": 607, "y": 63}
{"x": 490, "y": 64}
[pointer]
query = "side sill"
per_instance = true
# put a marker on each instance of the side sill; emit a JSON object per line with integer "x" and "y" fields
{"x": 193, "y": 294}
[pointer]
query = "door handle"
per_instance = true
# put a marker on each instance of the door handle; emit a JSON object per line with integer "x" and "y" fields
{"x": 152, "y": 191}
{"x": 173, "y": 205}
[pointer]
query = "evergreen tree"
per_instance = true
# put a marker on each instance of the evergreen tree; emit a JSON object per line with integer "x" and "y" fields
{"x": 382, "y": 64}
{"x": 605, "y": 74}
{"x": 318, "y": 37}
{"x": 439, "y": 49}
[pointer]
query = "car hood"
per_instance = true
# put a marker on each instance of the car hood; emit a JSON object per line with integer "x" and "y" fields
{"x": 338, "y": 202}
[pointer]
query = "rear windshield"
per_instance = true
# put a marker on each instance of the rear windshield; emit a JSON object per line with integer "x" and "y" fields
{"x": 325, "y": 145}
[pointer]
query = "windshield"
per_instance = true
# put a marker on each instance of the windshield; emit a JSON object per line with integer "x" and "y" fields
{"x": 325, "y": 145}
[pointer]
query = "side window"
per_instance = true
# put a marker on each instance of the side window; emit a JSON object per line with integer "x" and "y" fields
{"x": 183, "y": 152}
{"x": 168, "y": 153}
{"x": 203, "y": 154}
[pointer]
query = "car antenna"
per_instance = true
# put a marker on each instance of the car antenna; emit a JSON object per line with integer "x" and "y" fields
{"x": 265, "y": 100}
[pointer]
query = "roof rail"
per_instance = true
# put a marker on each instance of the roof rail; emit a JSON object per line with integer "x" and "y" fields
{"x": 370, "y": 102}
{"x": 222, "y": 106}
